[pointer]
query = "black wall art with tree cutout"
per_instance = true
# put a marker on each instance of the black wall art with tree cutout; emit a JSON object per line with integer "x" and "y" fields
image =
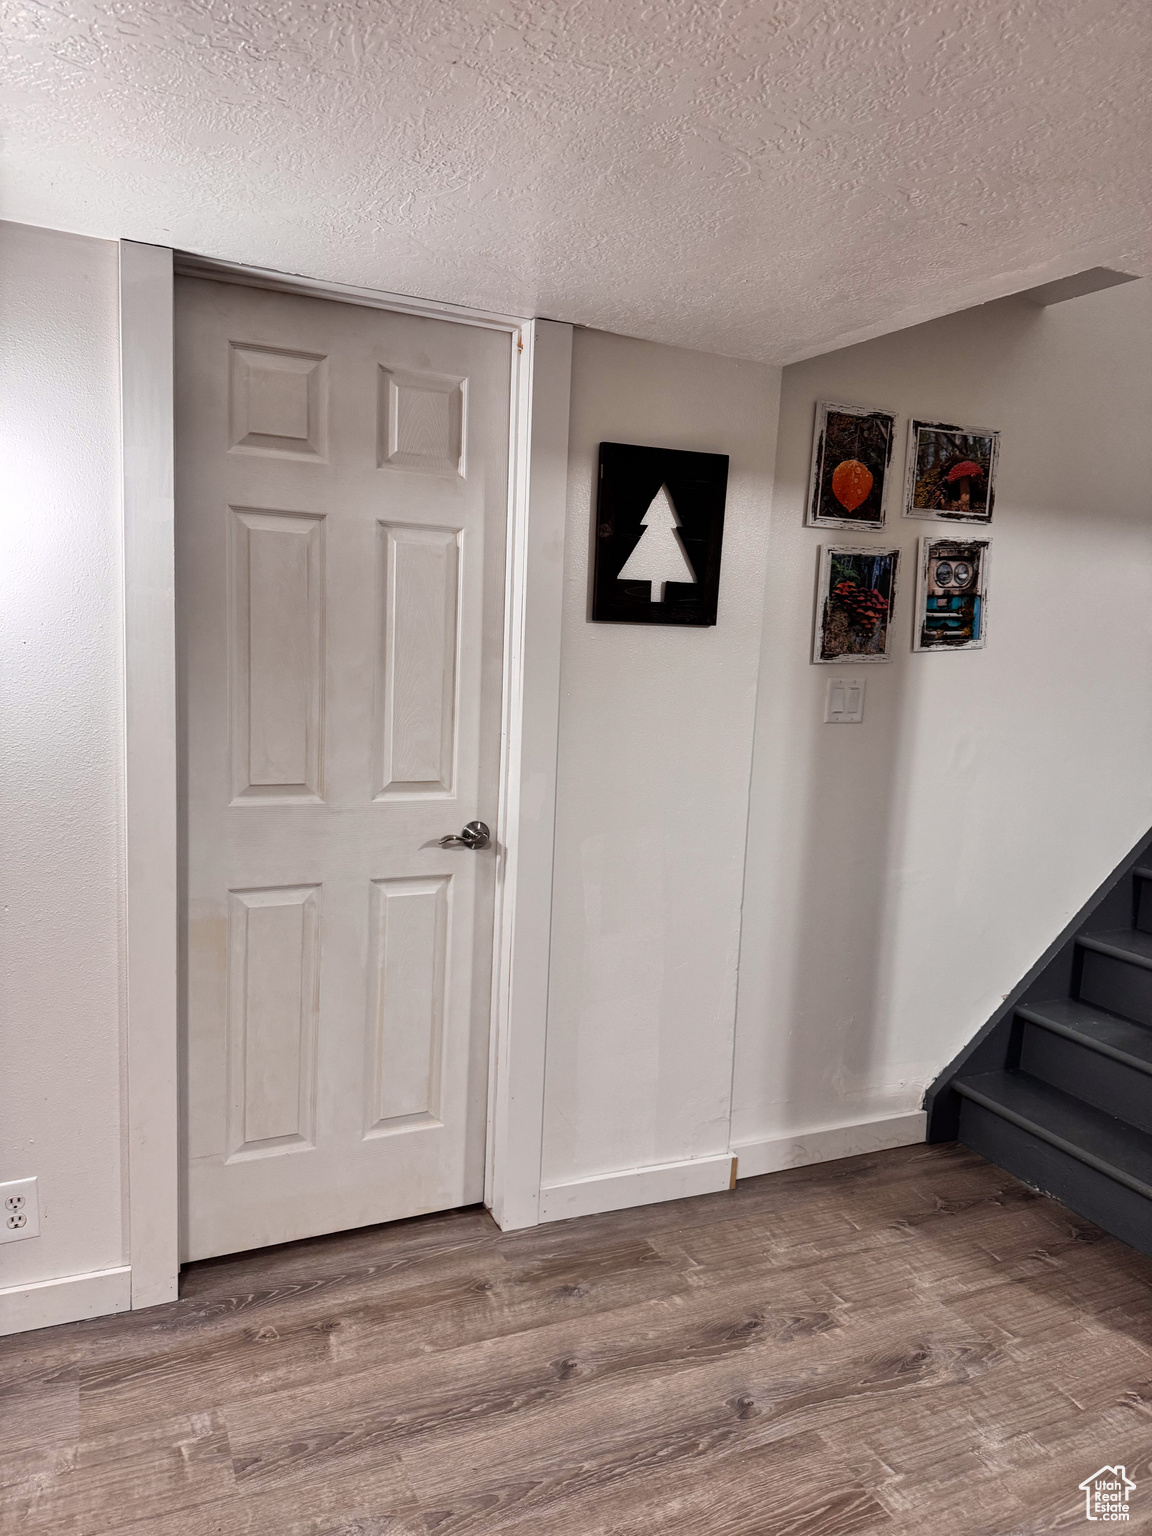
{"x": 659, "y": 530}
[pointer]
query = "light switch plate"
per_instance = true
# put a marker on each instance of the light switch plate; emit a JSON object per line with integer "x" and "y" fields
{"x": 845, "y": 703}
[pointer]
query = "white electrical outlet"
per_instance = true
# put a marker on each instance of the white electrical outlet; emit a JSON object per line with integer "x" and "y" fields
{"x": 19, "y": 1210}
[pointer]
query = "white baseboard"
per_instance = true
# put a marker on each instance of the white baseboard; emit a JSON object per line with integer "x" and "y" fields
{"x": 67, "y": 1300}
{"x": 705, "y": 1175}
{"x": 636, "y": 1186}
{"x": 774, "y": 1153}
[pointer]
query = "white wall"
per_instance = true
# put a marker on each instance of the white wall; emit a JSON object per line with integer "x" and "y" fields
{"x": 655, "y": 755}
{"x": 901, "y": 875}
{"x": 904, "y": 874}
{"x": 60, "y": 767}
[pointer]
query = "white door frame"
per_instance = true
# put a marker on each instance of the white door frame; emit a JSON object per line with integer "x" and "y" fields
{"x": 538, "y": 467}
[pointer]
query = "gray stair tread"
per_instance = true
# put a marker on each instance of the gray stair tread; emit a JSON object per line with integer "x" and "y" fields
{"x": 1095, "y": 1028}
{"x": 1101, "y": 1140}
{"x": 1125, "y": 943}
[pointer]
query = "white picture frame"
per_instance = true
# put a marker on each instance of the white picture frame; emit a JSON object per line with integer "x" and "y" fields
{"x": 933, "y": 489}
{"x": 842, "y": 632}
{"x": 873, "y": 449}
{"x": 961, "y": 612}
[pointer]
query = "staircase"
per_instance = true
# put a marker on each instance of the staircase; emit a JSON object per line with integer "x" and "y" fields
{"x": 1057, "y": 1087}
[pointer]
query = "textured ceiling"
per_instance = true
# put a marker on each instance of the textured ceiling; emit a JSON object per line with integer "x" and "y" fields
{"x": 764, "y": 179}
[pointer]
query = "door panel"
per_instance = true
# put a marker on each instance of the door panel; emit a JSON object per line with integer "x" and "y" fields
{"x": 276, "y": 642}
{"x": 341, "y": 500}
{"x": 419, "y": 636}
{"x": 410, "y": 921}
{"x": 273, "y": 944}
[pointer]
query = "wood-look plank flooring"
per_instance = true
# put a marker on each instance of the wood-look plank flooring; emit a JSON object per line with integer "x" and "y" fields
{"x": 910, "y": 1342}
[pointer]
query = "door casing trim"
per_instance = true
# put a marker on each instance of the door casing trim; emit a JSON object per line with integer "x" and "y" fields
{"x": 150, "y": 768}
{"x": 540, "y": 386}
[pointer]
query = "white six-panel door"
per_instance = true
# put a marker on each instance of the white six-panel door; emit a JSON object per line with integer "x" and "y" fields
{"x": 341, "y": 491}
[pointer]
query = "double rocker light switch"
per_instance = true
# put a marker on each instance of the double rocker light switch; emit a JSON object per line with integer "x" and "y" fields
{"x": 845, "y": 704}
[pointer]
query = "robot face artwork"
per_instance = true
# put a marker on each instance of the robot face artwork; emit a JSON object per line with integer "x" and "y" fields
{"x": 948, "y": 576}
{"x": 951, "y": 595}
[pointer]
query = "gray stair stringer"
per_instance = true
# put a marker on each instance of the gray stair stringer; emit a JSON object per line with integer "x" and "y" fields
{"x": 1056, "y": 975}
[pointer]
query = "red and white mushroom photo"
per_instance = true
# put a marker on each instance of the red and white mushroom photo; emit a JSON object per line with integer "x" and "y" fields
{"x": 950, "y": 472}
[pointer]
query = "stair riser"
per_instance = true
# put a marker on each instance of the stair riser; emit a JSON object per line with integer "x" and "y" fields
{"x": 1091, "y": 1194}
{"x": 1115, "y": 984}
{"x": 1086, "y": 1074}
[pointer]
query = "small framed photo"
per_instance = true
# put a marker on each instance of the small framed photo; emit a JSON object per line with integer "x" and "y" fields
{"x": 950, "y": 472}
{"x": 951, "y": 595}
{"x": 851, "y": 455}
{"x": 855, "y": 597}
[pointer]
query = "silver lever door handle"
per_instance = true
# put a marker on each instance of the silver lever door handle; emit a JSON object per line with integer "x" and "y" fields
{"x": 475, "y": 836}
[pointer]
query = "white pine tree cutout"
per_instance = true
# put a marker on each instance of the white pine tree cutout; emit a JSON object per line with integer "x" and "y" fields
{"x": 659, "y": 557}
